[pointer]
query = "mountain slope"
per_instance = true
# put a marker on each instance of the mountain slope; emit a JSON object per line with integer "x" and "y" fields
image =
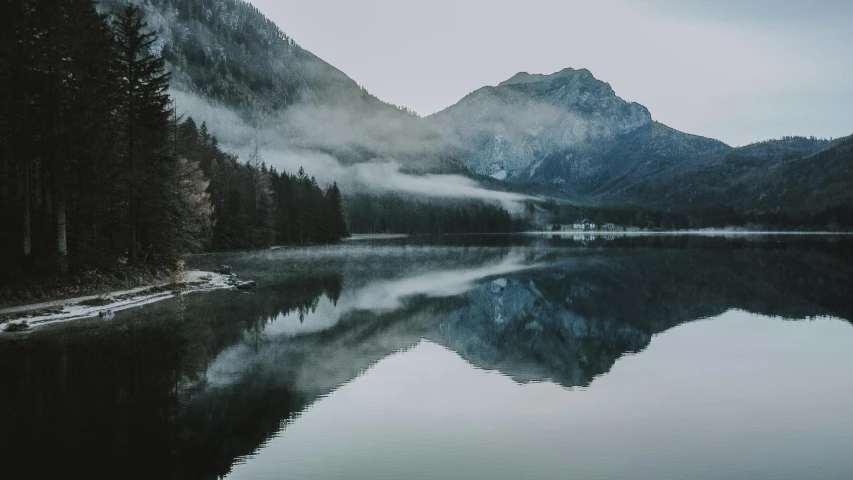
{"x": 683, "y": 172}
{"x": 816, "y": 181}
{"x": 235, "y": 69}
{"x": 229, "y": 52}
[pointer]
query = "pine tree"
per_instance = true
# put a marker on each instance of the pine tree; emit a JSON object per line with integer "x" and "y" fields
{"x": 336, "y": 218}
{"x": 143, "y": 82}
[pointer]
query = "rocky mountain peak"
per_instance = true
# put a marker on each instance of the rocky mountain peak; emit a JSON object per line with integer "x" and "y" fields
{"x": 521, "y": 78}
{"x": 506, "y": 130}
{"x": 580, "y": 91}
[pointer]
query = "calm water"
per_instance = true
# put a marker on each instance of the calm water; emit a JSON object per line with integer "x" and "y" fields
{"x": 490, "y": 357}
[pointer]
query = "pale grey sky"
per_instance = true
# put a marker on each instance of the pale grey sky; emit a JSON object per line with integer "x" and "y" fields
{"x": 740, "y": 71}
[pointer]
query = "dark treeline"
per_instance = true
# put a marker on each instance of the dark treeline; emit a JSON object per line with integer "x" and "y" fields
{"x": 253, "y": 205}
{"x": 395, "y": 214}
{"x": 97, "y": 169}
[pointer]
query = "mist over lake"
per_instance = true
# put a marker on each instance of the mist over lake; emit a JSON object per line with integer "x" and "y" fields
{"x": 497, "y": 356}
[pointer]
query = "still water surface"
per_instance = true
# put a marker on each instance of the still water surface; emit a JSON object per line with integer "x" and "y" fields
{"x": 458, "y": 357}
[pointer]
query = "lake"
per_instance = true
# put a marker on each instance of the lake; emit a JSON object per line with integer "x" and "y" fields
{"x": 458, "y": 357}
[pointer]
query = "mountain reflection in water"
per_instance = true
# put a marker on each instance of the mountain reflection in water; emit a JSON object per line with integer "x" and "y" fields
{"x": 187, "y": 387}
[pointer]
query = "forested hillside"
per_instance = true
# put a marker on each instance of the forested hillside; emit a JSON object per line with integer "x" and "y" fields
{"x": 98, "y": 170}
{"x": 227, "y": 51}
{"x": 239, "y": 71}
{"x": 752, "y": 178}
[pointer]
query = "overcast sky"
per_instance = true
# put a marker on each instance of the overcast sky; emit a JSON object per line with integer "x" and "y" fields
{"x": 736, "y": 70}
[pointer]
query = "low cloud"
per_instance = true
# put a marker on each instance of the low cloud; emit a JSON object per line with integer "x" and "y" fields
{"x": 387, "y": 176}
{"x": 303, "y": 134}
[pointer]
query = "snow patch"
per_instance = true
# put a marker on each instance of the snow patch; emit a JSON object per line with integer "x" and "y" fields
{"x": 73, "y": 309}
{"x": 535, "y": 167}
{"x": 500, "y": 175}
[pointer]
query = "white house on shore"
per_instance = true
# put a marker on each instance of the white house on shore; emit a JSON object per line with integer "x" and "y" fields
{"x": 584, "y": 224}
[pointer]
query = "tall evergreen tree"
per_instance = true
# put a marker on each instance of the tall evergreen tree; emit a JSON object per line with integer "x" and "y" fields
{"x": 145, "y": 110}
{"x": 335, "y": 218}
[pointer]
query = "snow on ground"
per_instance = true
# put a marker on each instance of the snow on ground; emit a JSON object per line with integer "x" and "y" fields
{"x": 39, "y": 314}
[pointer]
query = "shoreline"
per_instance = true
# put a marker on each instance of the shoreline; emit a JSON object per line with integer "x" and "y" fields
{"x": 39, "y": 314}
{"x": 32, "y": 315}
{"x": 709, "y": 233}
{"x": 374, "y": 236}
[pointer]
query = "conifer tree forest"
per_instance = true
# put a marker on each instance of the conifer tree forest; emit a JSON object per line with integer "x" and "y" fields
{"x": 97, "y": 169}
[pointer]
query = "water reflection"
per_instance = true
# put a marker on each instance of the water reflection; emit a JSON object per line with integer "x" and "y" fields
{"x": 186, "y": 387}
{"x": 764, "y": 407}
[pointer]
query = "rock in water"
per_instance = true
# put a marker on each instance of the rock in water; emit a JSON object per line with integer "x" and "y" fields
{"x": 246, "y": 285}
{"x": 107, "y": 314}
{"x": 224, "y": 270}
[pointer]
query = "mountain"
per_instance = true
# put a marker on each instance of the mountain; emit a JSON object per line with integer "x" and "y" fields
{"x": 567, "y": 129}
{"x": 507, "y": 131}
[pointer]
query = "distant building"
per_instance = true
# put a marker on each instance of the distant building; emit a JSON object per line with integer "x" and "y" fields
{"x": 609, "y": 226}
{"x": 584, "y": 225}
